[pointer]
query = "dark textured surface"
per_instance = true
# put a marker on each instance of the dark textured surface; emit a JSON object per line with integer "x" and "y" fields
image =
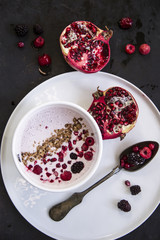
{"x": 19, "y": 71}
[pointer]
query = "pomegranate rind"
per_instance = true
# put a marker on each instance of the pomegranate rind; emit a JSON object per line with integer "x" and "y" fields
{"x": 102, "y": 53}
{"x": 99, "y": 109}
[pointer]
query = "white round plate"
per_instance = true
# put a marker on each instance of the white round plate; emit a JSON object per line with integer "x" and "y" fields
{"x": 97, "y": 217}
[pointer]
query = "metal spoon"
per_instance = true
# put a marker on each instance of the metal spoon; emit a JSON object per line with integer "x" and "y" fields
{"x": 59, "y": 211}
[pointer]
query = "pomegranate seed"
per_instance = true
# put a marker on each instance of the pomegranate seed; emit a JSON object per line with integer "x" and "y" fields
{"x": 20, "y": 44}
{"x": 122, "y": 163}
{"x": 126, "y": 23}
{"x": 135, "y": 149}
{"x": 127, "y": 165}
{"x": 127, "y": 183}
{"x": 151, "y": 146}
{"x": 144, "y": 49}
{"x": 130, "y": 48}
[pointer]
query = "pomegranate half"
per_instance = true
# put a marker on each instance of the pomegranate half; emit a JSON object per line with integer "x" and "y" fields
{"x": 115, "y": 111}
{"x": 85, "y": 46}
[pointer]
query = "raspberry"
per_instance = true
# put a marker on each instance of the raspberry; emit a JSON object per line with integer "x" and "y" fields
{"x": 21, "y": 30}
{"x": 130, "y": 48}
{"x": 145, "y": 153}
{"x": 144, "y": 49}
{"x": 124, "y": 205}
{"x": 88, "y": 156}
{"x": 37, "y": 29}
{"x": 135, "y": 189}
{"x": 77, "y": 167}
{"x": 126, "y": 23}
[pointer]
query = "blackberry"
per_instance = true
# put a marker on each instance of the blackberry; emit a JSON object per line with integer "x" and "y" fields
{"x": 21, "y": 30}
{"x": 73, "y": 155}
{"x": 37, "y": 29}
{"x": 77, "y": 167}
{"x": 135, "y": 189}
{"x": 124, "y": 205}
{"x": 135, "y": 158}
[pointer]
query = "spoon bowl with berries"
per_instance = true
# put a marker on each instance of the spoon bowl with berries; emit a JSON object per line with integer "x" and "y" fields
{"x": 131, "y": 159}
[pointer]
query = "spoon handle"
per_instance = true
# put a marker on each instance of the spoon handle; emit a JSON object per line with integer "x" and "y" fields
{"x": 59, "y": 211}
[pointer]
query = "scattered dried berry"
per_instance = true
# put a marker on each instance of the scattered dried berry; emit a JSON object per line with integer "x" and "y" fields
{"x": 130, "y": 48}
{"x": 66, "y": 176}
{"x": 124, "y": 205}
{"x": 39, "y": 42}
{"x": 44, "y": 60}
{"x": 37, "y": 29}
{"x": 73, "y": 155}
{"x": 21, "y": 30}
{"x": 135, "y": 189}
{"x": 126, "y": 23}
{"x": 88, "y": 155}
{"x": 20, "y": 44}
{"x": 135, "y": 149}
{"x": 144, "y": 49}
{"x": 77, "y": 167}
{"x": 37, "y": 169}
{"x": 151, "y": 146}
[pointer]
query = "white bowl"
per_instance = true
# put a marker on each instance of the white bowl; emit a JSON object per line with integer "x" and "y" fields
{"x": 52, "y": 172}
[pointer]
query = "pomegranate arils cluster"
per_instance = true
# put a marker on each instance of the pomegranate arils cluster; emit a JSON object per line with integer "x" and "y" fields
{"x": 115, "y": 111}
{"x": 85, "y": 47}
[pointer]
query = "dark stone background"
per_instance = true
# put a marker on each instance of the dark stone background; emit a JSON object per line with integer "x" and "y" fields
{"x": 19, "y": 71}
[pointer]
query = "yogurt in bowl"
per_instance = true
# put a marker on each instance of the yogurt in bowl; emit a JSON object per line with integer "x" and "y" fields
{"x": 57, "y": 146}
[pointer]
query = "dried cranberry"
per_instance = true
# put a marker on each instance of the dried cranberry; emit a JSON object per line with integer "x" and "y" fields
{"x": 130, "y": 48}
{"x": 144, "y": 49}
{"x": 44, "y": 60}
{"x": 39, "y": 42}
